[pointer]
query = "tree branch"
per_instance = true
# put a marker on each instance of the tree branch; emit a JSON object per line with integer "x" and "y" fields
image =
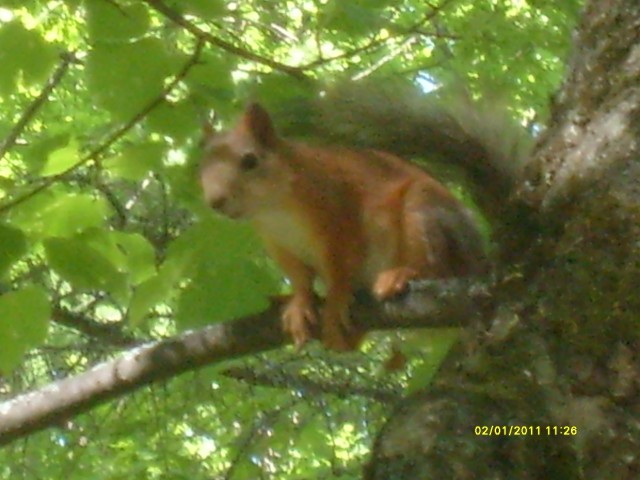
{"x": 104, "y": 332}
{"x": 395, "y": 32}
{"x": 178, "y": 19}
{"x": 32, "y": 109}
{"x": 115, "y": 136}
{"x": 312, "y": 386}
{"x": 429, "y": 304}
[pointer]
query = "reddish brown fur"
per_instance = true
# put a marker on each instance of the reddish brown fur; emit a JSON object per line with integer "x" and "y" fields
{"x": 352, "y": 218}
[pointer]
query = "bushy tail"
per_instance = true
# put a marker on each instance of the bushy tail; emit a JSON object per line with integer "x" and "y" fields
{"x": 478, "y": 137}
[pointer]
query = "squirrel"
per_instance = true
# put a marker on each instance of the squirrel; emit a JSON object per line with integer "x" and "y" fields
{"x": 356, "y": 218}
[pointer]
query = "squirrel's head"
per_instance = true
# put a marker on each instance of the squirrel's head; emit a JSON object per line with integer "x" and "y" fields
{"x": 241, "y": 171}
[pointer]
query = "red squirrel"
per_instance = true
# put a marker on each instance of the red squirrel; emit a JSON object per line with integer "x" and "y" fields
{"x": 354, "y": 218}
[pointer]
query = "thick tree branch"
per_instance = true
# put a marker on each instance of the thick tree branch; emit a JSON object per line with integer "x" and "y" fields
{"x": 431, "y": 303}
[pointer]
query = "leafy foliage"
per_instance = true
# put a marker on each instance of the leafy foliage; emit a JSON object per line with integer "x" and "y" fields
{"x": 101, "y": 217}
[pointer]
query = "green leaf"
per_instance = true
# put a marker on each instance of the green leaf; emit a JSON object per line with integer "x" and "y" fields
{"x": 232, "y": 290}
{"x": 83, "y": 266}
{"x": 313, "y": 438}
{"x": 205, "y": 245}
{"x": 39, "y": 58}
{"x": 220, "y": 257}
{"x": 12, "y": 4}
{"x": 73, "y": 4}
{"x": 124, "y": 78}
{"x": 62, "y": 159}
{"x": 351, "y": 17}
{"x": 148, "y": 294}
{"x": 278, "y": 89}
{"x": 71, "y": 214}
{"x": 138, "y": 255}
{"x": 177, "y": 120}
{"x": 56, "y": 213}
{"x": 23, "y": 51}
{"x": 210, "y": 241}
{"x": 28, "y": 215}
{"x": 206, "y": 9}
{"x": 125, "y": 259}
{"x": 211, "y": 84}
{"x": 7, "y": 183}
{"x": 24, "y": 319}
{"x": 183, "y": 181}
{"x": 116, "y": 21}
{"x": 13, "y": 245}
{"x": 372, "y": 3}
{"x": 136, "y": 161}
{"x": 214, "y": 71}
{"x": 37, "y": 153}
{"x": 436, "y": 343}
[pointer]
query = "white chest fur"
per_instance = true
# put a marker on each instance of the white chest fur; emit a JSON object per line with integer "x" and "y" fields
{"x": 286, "y": 230}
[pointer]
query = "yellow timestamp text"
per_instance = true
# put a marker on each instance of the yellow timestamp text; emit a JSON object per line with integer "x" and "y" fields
{"x": 525, "y": 430}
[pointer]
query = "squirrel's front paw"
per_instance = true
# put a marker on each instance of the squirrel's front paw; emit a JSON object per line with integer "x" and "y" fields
{"x": 297, "y": 315}
{"x": 392, "y": 282}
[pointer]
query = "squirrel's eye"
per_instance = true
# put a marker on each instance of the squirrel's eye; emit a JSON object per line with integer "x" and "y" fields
{"x": 249, "y": 161}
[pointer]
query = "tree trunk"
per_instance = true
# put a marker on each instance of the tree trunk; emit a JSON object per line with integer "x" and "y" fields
{"x": 558, "y": 358}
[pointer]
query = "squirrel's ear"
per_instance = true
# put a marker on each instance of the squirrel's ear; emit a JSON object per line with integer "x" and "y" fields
{"x": 259, "y": 125}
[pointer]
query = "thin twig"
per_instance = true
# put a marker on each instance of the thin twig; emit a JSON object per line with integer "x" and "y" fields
{"x": 377, "y": 43}
{"x": 114, "y": 137}
{"x": 178, "y": 19}
{"x": 107, "y": 333}
{"x": 387, "y": 58}
{"x": 8, "y": 143}
{"x": 312, "y": 387}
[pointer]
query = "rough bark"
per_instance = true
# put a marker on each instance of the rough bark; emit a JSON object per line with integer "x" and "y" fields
{"x": 562, "y": 348}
